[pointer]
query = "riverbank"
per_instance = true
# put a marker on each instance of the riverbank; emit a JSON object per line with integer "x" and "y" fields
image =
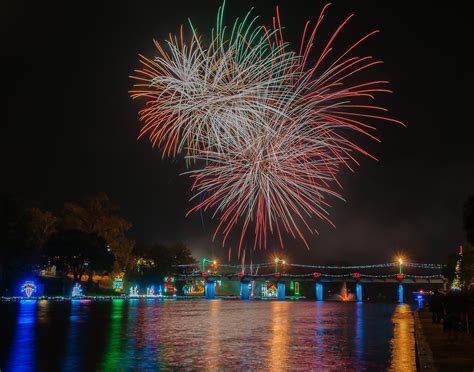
{"x": 440, "y": 351}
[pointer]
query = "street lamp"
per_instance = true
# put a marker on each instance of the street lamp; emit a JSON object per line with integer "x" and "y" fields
{"x": 277, "y": 261}
{"x": 206, "y": 260}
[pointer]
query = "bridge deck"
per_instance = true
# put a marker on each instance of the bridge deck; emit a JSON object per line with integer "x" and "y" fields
{"x": 285, "y": 278}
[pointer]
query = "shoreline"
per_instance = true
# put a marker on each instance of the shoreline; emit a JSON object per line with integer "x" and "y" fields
{"x": 437, "y": 350}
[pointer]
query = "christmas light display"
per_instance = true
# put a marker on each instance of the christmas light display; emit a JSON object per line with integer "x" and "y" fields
{"x": 277, "y": 261}
{"x": 134, "y": 292}
{"x": 118, "y": 283}
{"x": 204, "y": 261}
{"x": 77, "y": 291}
{"x": 168, "y": 286}
{"x": 456, "y": 285}
{"x": 29, "y": 288}
{"x": 269, "y": 289}
{"x": 331, "y": 267}
{"x": 195, "y": 288}
{"x": 195, "y": 283}
{"x": 150, "y": 291}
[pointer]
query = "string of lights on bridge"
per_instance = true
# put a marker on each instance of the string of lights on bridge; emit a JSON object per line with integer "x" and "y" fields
{"x": 241, "y": 270}
{"x": 354, "y": 275}
{"x": 327, "y": 267}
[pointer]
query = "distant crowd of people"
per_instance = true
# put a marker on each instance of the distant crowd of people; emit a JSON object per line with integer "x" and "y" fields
{"x": 455, "y": 309}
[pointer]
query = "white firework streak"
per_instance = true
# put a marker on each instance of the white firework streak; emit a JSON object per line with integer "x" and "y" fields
{"x": 267, "y": 130}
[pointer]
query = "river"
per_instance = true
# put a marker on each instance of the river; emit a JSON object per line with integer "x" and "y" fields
{"x": 206, "y": 335}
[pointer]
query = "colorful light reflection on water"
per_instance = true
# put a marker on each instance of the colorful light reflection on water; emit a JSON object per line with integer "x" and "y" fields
{"x": 123, "y": 334}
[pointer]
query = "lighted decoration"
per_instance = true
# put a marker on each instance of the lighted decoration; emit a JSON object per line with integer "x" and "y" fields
{"x": 400, "y": 276}
{"x": 77, "y": 291}
{"x": 400, "y": 262}
{"x": 277, "y": 261}
{"x": 134, "y": 291}
{"x": 204, "y": 261}
{"x": 356, "y": 275}
{"x": 269, "y": 289}
{"x": 150, "y": 291}
{"x": 316, "y": 275}
{"x": 168, "y": 286}
{"x": 194, "y": 288}
{"x": 457, "y": 282}
{"x": 188, "y": 288}
{"x": 118, "y": 283}
{"x": 29, "y": 288}
{"x": 169, "y": 289}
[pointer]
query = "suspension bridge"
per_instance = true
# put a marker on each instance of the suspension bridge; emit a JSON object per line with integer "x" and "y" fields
{"x": 281, "y": 273}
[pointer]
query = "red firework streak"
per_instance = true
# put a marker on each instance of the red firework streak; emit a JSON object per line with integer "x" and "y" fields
{"x": 276, "y": 182}
{"x": 269, "y": 129}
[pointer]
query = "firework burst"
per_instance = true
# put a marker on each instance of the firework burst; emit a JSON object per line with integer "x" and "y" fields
{"x": 266, "y": 130}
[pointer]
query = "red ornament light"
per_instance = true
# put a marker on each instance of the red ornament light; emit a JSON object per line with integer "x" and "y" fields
{"x": 240, "y": 274}
{"x": 204, "y": 274}
{"x": 316, "y": 275}
{"x": 277, "y": 275}
{"x": 400, "y": 276}
{"x": 356, "y": 275}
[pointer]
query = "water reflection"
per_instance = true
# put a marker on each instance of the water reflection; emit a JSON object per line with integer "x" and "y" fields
{"x": 22, "y": 355}
{"x": 279, "y": 338}
{"x": 204, "y": 335}
{"x": 111, "y": 360}
{"x": 212, "y": 349}
{"x": 130, "y": 345}
{"x": 359, "y": 336}
{"x": 72, "y": 360}
{"x": 403, "y": 342}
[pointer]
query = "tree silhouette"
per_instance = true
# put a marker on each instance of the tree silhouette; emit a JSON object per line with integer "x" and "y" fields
{"x": 76, "y": 252}
{"x": 97, "y": 214}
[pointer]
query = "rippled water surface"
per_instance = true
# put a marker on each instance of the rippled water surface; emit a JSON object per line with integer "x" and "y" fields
{"x": 205, "y": 335}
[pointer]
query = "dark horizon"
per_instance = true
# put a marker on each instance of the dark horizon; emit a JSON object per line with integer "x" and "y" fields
{"x": 71, "y": 128}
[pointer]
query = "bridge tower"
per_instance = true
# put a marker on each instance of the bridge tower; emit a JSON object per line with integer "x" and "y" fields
{"x": 359, "y": 292}
{"x": 400, "y": 293}
{"x": 210, "y": 289}
{"x": 281, "y": 291}
{"x": 319, "y": 291}
{"x": 244, "y": 290}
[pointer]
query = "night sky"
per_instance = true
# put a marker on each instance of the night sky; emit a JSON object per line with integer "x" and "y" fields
{"x": 69, "y": 127}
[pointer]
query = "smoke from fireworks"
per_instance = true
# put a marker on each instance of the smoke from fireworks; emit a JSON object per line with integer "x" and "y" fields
{"x": 265, "y": 130}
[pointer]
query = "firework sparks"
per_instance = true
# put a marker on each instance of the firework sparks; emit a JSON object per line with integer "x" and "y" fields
{"x": 266, "y": 130}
